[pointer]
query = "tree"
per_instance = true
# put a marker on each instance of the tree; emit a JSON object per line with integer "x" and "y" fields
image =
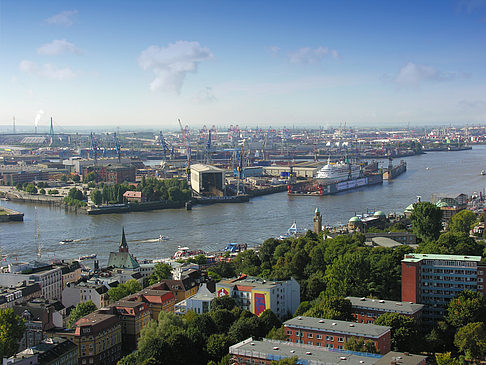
{"x": 91, "y": 176}
{"x": 75, "y": 194}
{"x": 12, "y": 329}
{"x": 81, "y": 310}
{"x": 277, "y": 334}
{"x": 161, "y": 271}
{"x": 223, "y": 319}
{"x": 404, "y": 332}
{"x": 462, "y": 221}
{"x": 469, "y": 306}
{"x": 76, "y": 178}
{"x": 217, "y": 346}
{"x": 96, "y": 196}
{"x": 31, "y": 189}
{"x": 42, "y": 191}
{"x": 354, "y": 344}
{"x": 332, "y": 307}
{"x": 294, "y": 360}
{"x": 268, "y": 321}
{"x": 244, "y": 328}
{"x": 471, "y": 340}
{"x": 122, "y": 290}
{"x": 224, "y": 302}
{"x": 64, "y": 178}
{"x": 446, "y": 359}
{"x": 426, "y": 220}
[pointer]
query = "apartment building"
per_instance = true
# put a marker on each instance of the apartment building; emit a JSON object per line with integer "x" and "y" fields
{"x": 366, "y": 310}
{"x": 257, "y": 295}
{"x": 334, "y": 334}
{"x": 433, "y": 280}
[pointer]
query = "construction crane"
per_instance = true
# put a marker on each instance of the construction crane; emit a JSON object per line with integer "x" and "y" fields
{"x": 208, "y": 148}
{"x": 94, "y": 147}
{"x": 188, "y": 149}
{"x": 117, "y": 147}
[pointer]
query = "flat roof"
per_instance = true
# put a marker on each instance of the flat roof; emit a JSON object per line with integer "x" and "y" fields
{"x": 385, "y": 305}
{"x": 336, "y": 326}
{"x": 276, "y": 350}
{"x": 416, "y": 257}
{"x": 401, "y": 358}
{"x": 250, "y": 281}
{"x": 199, "y": 167}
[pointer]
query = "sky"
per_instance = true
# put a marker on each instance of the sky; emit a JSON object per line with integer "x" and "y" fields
{"x": 136, "y": 64}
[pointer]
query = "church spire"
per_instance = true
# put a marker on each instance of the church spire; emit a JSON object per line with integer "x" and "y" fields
{"x": 123, "y": 244}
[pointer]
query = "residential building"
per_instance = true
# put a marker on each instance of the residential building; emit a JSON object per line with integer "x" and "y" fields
{"x": 81, "y": 292}
{"x": 134, "y": 196}
{"x": 433, "y": 280}
{"x": 257, "y": 295}
{"x": 21, "y": 293}
{"x": 182, "y": 289}
{"x": 199, "y": 303}
{"x": 49, "y": 278}
{"x": 157, "y": 298}
{"x": 252, "y": 351}
{"x": 334, "y": 334}
{"x": 366, "y": 310}
{"x": 51, "y": 351}
{"x": 40, "y": 315}
{"x": 134, "y": 316}
{"x": 98, "y": 339}
{"x": 71, "y": 271}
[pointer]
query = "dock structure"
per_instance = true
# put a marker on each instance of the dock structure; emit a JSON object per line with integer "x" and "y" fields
{"x": 7, "y": 215}
{"x": 394, "y": 171}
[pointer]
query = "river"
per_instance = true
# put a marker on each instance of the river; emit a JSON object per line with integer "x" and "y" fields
{"x": 211, "y": 227}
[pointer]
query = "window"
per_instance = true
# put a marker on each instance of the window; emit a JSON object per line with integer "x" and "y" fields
{"x": 310, "y": 335}
{"x": 309, "y": 342}
{"x": 289, "y": 332}
{"x": 340, "y": 339}
{"x": 319, "y": 337}
{"x": 340, "y": 347}
{"x": 318, "y": 344}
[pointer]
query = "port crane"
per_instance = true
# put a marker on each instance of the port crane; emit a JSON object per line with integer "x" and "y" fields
{"x": 185, "y": 137}
{"x": 93, "y": 147}
{"x": 117, "y": 147}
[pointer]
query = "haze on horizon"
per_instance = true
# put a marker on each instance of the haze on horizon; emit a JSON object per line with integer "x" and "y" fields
{"x": 143, "y": 64}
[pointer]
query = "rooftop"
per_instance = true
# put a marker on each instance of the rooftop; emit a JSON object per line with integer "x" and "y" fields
{"x": 417, "y": 257}
{"x": 205, "y": 168}
{"x": 385, "y": 305}
{"x": 401, "y": 358}
{"x": 333, "y": 325}
{"x": 276, "y": 350}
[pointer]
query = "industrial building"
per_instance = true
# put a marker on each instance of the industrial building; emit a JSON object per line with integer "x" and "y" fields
{"x": 207, "y": 180}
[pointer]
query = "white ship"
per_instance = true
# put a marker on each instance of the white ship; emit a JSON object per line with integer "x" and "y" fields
{"x": 339, "y": 171}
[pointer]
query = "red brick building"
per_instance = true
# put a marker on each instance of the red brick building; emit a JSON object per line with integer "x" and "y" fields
{"x": 334, "y": 334}
{"x": 366, "y": 310}
{"x": 114, "y": 174}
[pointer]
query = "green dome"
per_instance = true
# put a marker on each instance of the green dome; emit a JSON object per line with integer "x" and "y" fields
{"x": 354, "y": 219}
{"x": 379, "y": 214}
{"x": 442, "y": 204}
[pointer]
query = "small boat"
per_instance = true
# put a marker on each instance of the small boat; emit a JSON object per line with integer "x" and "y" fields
{"x": 235, "y": 247}
{"x": 87, "y": 257}
{"x": 185, "y": 252}
{"x": 293, "y": 231}
{"x": 65, "y": 242}
{"x": 483, "y": 172}
{"x": 163, "y": 238}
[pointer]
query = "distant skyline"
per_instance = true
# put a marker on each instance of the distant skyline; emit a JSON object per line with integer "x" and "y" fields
{"x": 143, "y": 64}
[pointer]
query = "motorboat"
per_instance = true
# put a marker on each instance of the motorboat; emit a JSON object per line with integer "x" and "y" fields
{"x": 87, "y": 257}
{"x": 483, "y": 172}
{"x": 65, "y": 242}
{"x": 185, "y": 252}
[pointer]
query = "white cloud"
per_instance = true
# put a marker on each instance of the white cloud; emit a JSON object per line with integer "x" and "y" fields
{"x": 58, "y": 47}
{"x": 311, "y": 55}
{"x": 274, "y": 50}
{"x": 205, "y": 95}
{"x": 47, "y": 70}
{"x": 171, "y": 64}
{"x": 63, "y": 18}
{"x": 413, "y": 75}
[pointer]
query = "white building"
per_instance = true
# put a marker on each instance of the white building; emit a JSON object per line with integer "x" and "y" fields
{"x": 257, "y": 295}
{"x": 199, "y": 303}
{"x": 49, "y": 279}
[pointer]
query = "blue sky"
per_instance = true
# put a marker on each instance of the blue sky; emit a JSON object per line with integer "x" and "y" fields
{"x": 305, "y": 63}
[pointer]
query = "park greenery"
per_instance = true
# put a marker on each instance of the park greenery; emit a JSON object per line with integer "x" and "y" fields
{"x": 174, "y": 190}
{"x": 75, "y": 198}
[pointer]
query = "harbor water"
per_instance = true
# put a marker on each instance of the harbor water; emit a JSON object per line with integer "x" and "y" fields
{"x": 211, "y": 227}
